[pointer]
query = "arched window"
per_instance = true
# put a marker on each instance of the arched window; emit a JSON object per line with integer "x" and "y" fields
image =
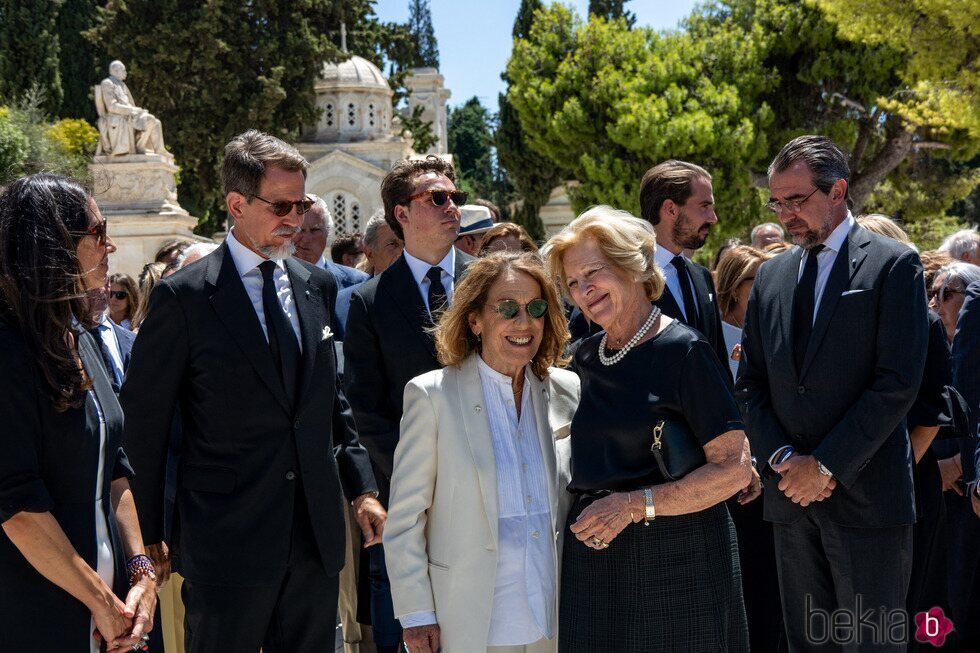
{"x": 351, "y": 114}
{"x": 371, "y": 115}
{"x": 346, "y": 210}
{"x": 328, "y": 116}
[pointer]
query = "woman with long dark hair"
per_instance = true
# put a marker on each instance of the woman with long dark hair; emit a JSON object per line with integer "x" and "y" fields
{"x": 75, "y": 576}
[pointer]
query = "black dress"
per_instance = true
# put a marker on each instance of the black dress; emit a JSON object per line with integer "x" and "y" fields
{"x": 674, "y": 585}
{"x": 49, "y": 462}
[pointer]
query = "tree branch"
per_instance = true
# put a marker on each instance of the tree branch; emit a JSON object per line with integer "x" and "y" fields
{"x": 893, "y": 151}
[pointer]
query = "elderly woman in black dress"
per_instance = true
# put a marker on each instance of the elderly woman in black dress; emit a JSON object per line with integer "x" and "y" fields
{"x": 650, "y": 562}
{"x": 69, "y": 523}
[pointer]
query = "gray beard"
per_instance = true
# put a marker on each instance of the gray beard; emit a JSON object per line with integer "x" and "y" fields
{"x": 281, "y": 253}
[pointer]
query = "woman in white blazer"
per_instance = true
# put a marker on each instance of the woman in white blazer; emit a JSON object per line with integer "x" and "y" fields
{"x": 481, "y": 469}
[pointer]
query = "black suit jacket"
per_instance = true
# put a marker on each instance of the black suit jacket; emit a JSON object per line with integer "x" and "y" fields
{"x": 709, "y": 318}
{"x": 966, "y": 373}
{"x": 385, "y": 346}
{"x": 860, "y": 375}
{"x": 245, "y": 449}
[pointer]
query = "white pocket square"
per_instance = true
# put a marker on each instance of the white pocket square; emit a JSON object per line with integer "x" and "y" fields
{"x": 853, "y": 292}
{"x": 327, "y": 333}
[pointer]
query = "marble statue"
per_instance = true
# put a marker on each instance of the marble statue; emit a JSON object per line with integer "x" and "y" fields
{"x": 124, "y": 128}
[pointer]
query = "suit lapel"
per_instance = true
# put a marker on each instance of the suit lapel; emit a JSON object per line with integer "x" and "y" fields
{"x": 540, "y": 399}
{"x": 846, "y": 263}
{"x": 311, "y": 321}
{"x": 234, "y": 309}
{"x": 703, "y": 298}
{"x": 788, "y": 277}
{"x": 476, "y": 422}
{"x": 668, "y": 305}
{"x": 399, "y": 284}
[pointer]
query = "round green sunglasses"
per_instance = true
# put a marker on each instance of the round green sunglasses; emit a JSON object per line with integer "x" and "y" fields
{"x": 509, "y": 308}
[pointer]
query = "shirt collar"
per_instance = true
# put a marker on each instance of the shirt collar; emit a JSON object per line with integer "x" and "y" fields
{"x": 491, "y": 374}
{"x": 420, "y": 267}
{"x": 664, "y": 256}
{"x": 837, "y": 237}
{"x": 245, "y": 259}
{"x": 322, "y": 263}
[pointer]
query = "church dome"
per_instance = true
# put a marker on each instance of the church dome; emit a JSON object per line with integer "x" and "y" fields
{"x": 356, "y": 71}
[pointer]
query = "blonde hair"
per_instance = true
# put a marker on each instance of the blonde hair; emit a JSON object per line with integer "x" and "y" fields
{"x": 624, "y": 239}
{"x": 885, "y": 226}
{"x": 454, "y": 339}
{"x": 739, "y": 264}
{"x": 152, "y": 272}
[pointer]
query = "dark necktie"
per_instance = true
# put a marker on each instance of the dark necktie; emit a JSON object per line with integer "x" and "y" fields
{"x": 684, "y": 279}
{"x": 110, "y": 367}
{"x": 804, "y": 304}
{"x": 437, "y": 293}
{"x": 282, "y": 338}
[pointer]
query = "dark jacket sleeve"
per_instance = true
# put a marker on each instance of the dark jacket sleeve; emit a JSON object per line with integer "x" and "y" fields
{"x": 901, "y": 341}
{"x": 367, "y": 386}
{"x": 21, "y": 485}
{"x": 966, "y": 370}
{"x": 931, "y": 407}
{"x": 149, "y": 399}
{"x": 762, "y": 426}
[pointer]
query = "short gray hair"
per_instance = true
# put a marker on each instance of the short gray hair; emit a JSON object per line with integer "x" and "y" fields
{"x": 966, "y": 272}
{"x": 964, "y": 241}
{"x": 372, "y": 226}
{"x": 765, "y": 225}
{"x": 326, "y": 216}
{"x": 195, "y": 252}
{"x": 826, "y": 161}
{"x": 246, "y": 158}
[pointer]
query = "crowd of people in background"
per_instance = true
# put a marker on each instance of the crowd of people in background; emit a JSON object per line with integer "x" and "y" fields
{"x": 456, "y": 438}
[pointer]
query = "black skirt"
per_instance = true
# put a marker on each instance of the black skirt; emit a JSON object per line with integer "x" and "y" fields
{"x": 672, "y": 586}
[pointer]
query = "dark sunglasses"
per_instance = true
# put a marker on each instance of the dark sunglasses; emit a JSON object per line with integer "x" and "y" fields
{"x": 439, "y": 197}
{"x": 282, "y": 209}
{"x": 119, "y": 294}
{"x": 509, "y": 308}
{"x": 98, "y": 231}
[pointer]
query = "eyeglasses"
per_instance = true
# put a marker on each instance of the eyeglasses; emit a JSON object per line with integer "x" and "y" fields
{"x": 509, "y": 308}
{"x": 439, "y": 197}
{"x": 99, "y": 231}
{"x": 943, "y": 294}
{"x": 119, "y": 294}
{"x": 792, "y": 206}
{"x": 284, "y": 208}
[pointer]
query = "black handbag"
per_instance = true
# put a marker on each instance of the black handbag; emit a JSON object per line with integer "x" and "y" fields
{"x": 675, "y": 449}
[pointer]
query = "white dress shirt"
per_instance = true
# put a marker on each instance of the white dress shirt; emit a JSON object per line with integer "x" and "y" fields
{"x": 419, "y": 269}
{"x": 663, "y": 258}
{"x": 825, "y": 259}
{"x": 524, "y": 592}
{"x": 247, "y": 263}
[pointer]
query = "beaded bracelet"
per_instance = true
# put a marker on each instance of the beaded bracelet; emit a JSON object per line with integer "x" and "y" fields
{"x": 140, "y": 565}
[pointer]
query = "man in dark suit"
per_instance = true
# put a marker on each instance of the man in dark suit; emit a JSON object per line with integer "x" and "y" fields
{"x": 241, "y": 342}
{"x": 115, "y": 343}
{"x": 833, "y": 354}
{"x": 676, "y": 198}
{"x": 387, "y": 340}
{"x": 311, "y": 241}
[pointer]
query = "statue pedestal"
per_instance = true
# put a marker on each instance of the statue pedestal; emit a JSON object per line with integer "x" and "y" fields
{"x": 137, "y": 195}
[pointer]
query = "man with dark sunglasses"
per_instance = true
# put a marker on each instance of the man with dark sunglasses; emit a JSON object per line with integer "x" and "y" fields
{"x": 241, "y": 342}
{"x": 388, "y": 342}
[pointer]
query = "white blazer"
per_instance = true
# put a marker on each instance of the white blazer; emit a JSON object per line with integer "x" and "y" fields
{"x": 440, "y": 539}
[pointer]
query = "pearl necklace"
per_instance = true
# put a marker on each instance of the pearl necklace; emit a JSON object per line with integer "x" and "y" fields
{"x": 615, "y": 358}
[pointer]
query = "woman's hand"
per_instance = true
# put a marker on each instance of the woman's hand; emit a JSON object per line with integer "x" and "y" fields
{"x": 111, "y": 622}
{"x": 422, "y": 639}
{"x": 140, "y": 603}
{"x": 605, "y": 518}
{"x": 160, "y": 556}
{"x": 751, "y": 492}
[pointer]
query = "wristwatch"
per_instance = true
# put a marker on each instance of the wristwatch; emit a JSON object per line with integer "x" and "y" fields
{"x": 823, "y": 469}
{"x": 649, "y": 510}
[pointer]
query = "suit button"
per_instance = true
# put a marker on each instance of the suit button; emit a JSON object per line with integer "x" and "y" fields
{"x": 296, "y": 425}
{"x": 290, "y": 475}
{"x": 801, "y": 389}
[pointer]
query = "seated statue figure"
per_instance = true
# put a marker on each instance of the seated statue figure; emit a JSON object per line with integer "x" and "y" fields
{"x": 124, "y": 128}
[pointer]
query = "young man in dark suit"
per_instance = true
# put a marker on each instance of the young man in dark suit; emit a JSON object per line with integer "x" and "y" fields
{"x": 240, "y": 340}
{"x": 676, "y": 198}
{"x": 833, "y": 354}
{"x": 387, "y": 341}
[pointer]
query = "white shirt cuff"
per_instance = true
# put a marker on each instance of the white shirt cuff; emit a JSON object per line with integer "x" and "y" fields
{"x": 776, "y": 454}
{"x": 414, "y": 619}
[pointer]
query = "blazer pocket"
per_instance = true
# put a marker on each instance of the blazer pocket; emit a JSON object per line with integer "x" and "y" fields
{"x": 207, "y": 478}
{"x": 563, "y": 431}
{"x": 855, "y": 291}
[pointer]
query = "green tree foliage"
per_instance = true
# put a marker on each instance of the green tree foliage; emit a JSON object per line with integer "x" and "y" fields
{"x": 420, "y": 25}
{"x": 611, "y": 10}
{"x": 82, "y": 63}
{"x": 471, "y": 140}
{"x": 29, "y": 143}
{"x": 606, "y": 103}
{"x": 211, "y": 70}
{"x": 29, "y": 51}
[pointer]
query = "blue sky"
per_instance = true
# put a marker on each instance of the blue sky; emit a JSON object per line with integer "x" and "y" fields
{"x": 475, "y": 37}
